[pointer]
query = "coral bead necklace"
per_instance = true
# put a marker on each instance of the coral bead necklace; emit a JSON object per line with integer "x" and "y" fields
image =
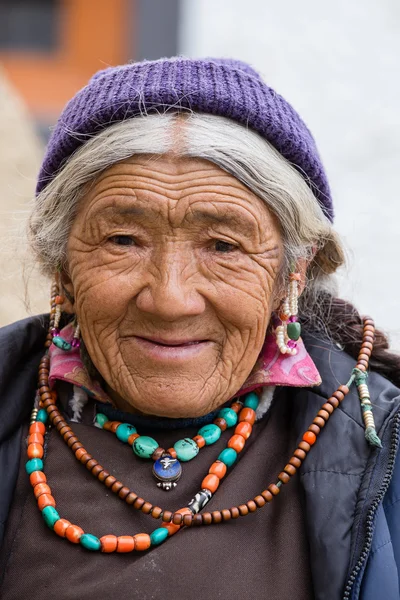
{"x": 190, "y": 514}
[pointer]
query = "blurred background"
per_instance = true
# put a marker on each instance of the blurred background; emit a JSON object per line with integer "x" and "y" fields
{"x": 337, "y": 62}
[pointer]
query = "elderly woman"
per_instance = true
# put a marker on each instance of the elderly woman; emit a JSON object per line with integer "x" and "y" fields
{"x": 185, "y": 219}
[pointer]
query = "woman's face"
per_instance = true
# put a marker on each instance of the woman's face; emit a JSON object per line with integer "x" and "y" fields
{"x": 173, "y": 264}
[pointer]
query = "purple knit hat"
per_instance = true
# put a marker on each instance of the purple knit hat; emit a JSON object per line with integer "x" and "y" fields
{"x": 222, "y": 87}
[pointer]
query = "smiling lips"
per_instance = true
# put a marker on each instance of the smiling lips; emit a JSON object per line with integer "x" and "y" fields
{"x": 162, "y": 349}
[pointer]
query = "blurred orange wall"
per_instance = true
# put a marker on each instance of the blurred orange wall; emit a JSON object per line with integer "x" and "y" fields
{"x": 92, "y": 35}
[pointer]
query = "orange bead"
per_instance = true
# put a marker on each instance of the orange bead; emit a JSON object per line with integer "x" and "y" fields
{"x": 295, "y": 277}
{"x": 247, "y": 414}
{"x": 236, "y": 406}
{"x": 172, "y": 452}
{"x": 59, "y": 300}
{"x": 73, "y": 533}
{"x": 37, "y": 477}
{"x": 80, "y": 452}
{"x": 200, "y": 441}
{"x": 172, "y": 528}
{"x": 41, "y": 488}
{"x": 37, "y": 427}
{"x": 132, "y": 438}
{"x": 244, "y": 429}
{"x": 210, "y": 482}
{"x": 310, "y": 437}
{"x": 125, "y": 543}
{"x": 109, "y": 543}
{"x": 237, "y": 442}
{"x": 219, "y": 469}
{"x": 142, "y": 541}
{"x": 36, "y": 438}
{"x": 61, "y": 526}
{"x": 35, "y": 451}
{"x": 46, "y": 500}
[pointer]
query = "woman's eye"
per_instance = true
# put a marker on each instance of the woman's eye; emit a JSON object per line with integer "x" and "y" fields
{"x": 122, "y": 240}
{"x": 221, "y": 246}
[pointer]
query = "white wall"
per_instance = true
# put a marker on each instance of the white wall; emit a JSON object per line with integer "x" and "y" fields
{"x": 338, "y": 63}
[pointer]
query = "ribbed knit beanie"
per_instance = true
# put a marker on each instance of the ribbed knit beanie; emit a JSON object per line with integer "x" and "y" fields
{"x": 224, "y": 87}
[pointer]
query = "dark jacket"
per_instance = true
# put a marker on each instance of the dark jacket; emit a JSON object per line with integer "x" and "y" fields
{"x": 352, "y": 492}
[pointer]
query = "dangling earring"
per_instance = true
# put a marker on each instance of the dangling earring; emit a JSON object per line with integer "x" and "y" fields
{"x": 288, "y": 331}
{"x": 56, "y": 303}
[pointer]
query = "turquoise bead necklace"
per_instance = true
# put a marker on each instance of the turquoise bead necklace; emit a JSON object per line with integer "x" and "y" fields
{"x": 167, "y": 468}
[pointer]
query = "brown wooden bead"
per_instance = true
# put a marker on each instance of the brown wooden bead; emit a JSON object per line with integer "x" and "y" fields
{"x": 260, "y": 501}
{"x": 266, "y": 494}
{"x": 130, "y": 498}
{"x": 72, "y": 440}
{"x": 304, "y": 446}
{"x": 363, "y": 362}
{"x": 367, "y": 345}
{"x": 116, "y": 487}
{"x": 234, "y": 512}
{"x": 314, "y": 428}
{"x": 284, "y": 477}
{"x": 324, "y": 414}
{"x": 338, "y": 395}
{"x": 64, "y": 429}
{"x": 274, "y": 489}
{"x": 103, "y": 475}
{"x": 290, "y": 469}
{"x": 97, "y": 469}
{"x": 251, "y": 505}
{"x": 344, "y": 389}
{"x": 91, "y": 463}
{"x": 360, "y": 367}
{"x": 226, "y": 514}
{"x": 85, "y": 458}
{"x": 207, "y": 518}
{"x": 67, "y": 435}
{"x": 319, "y": 421}
{"x": 187, "y": 520}
{"x": 146, "y": 508}
{"x": 295, "y": 461}
{"x": 167, "y": 516}
{"x": 77, "y": 446}
{"x": 158, "y": 452}
{"x": 123, "y": 492}
{"x": 156, "y": 512}
{"x": 216, "y": 516}
{"x": 333, "y": 401}
{"x": 58, "y": 420}
{"x": 138, "y": 503}
{"x": 299, "y": 453}
{"x": 46, "y": 396}
{"x": 197, "y": 520}
{"x": 237, "y": 406}
{"x": 370, "y": 339}
{"x": 243, "y": 510}
{"x": 222, "y": 424}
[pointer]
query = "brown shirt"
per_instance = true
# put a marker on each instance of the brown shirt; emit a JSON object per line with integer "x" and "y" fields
{"x": 262, "y": 555}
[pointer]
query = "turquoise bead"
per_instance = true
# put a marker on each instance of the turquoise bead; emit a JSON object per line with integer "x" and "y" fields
{"x": 50, "y": 516}
{"x": 42, "y": 415}
{"x": 293, "y": 331}
{"x": 34, "y": 464}
{"x": 144, "y": 446}
{"x": 62, "y": 344}
{"x": 90, "y": 542}
{"x": 101, "y": 419}
{"x": 186, "y": 449}
{"x": 228, "y": 456}
{"x": 251, "y": 401}
{"x": 158, "y": 536}
{"x": 229, "y": 415}
{"x": 124, "y": 431}
{"x": 211, "y": 433}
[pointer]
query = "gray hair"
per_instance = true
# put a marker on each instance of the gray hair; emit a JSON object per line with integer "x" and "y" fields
{"x": 306, "y": 231}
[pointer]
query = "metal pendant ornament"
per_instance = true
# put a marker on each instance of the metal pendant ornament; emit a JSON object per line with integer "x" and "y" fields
{"x": 167, "y": 471}
{"x": 288, "y": 329}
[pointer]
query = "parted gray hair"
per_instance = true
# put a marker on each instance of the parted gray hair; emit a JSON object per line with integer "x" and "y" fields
{"x": 306, "y": 231}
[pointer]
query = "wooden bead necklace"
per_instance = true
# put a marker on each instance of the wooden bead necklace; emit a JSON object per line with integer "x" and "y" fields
{"x": 186, "y": 516}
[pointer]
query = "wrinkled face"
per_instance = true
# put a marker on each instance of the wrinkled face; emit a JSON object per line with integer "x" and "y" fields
{"x": 173, "y": 265}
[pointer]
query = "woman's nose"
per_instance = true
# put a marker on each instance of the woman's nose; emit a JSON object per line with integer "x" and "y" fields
{"x": 171, "y": 293}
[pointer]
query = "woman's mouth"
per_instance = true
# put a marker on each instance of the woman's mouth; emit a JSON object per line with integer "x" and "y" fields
{"x": 171, "y": 349}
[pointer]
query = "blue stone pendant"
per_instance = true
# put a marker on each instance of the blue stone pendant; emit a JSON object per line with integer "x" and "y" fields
{"x": 167, "y": 471}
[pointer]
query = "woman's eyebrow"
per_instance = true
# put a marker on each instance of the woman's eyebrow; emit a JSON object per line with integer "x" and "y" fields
{"x": 223, "y": 217}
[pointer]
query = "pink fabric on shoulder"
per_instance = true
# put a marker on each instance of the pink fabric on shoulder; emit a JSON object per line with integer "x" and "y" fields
{"x": 271, "y": 369}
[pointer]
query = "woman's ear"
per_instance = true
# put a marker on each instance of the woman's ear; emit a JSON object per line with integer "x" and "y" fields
{"x": 67, "y": 290}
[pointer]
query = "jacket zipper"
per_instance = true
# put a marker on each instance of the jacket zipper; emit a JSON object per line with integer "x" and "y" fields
{"x": 394, "y": 442}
